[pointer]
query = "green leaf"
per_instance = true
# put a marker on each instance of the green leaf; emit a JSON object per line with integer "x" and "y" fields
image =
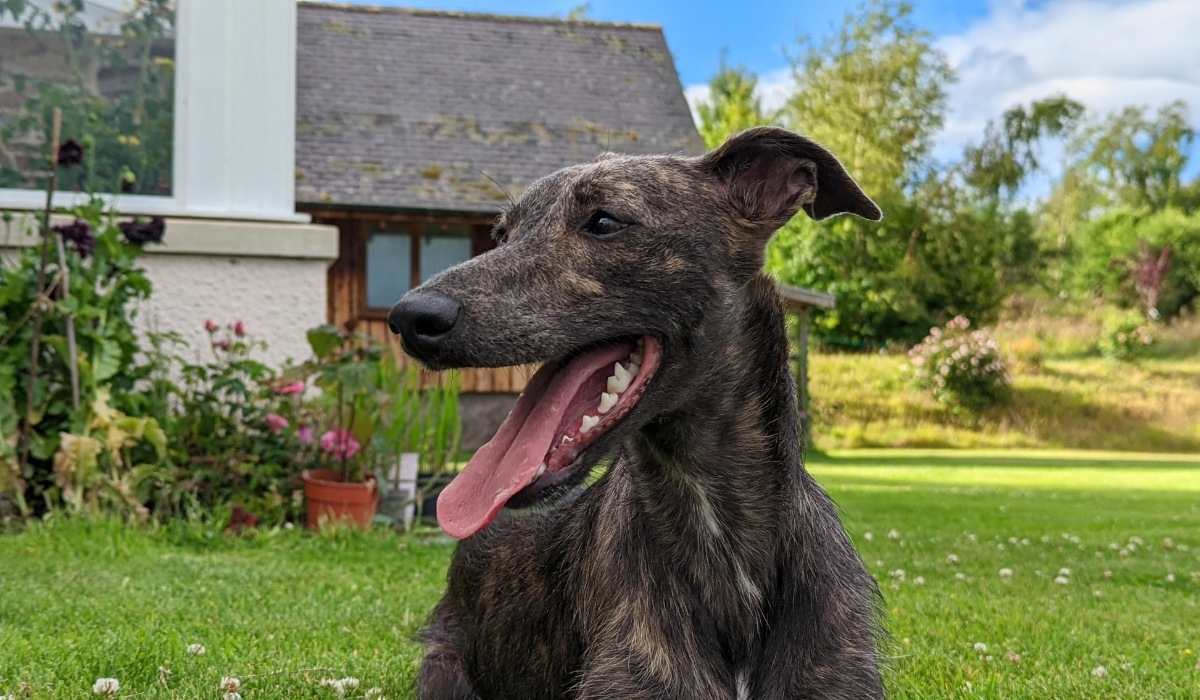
{"x": 325, "y": 339}
{"x": 108, "y": 360}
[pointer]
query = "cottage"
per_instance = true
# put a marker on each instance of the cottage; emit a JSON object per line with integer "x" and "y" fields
{"x": 414, "y": 127}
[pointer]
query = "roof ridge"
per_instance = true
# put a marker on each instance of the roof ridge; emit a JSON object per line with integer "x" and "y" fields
{"x": 420, "y": 12}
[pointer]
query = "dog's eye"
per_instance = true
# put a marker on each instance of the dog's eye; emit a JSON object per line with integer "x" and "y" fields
{"x": 500, "y": 234}
{"x": 604, "y": 224}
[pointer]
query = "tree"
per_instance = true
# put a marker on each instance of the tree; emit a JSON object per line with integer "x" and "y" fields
{"x": 1137, "y": 160}
{"x": 875, "y": 94}
{"x": 1121, "y": 203}
{"x": 732, "y": 104}
{"x": 1009, "y": 152}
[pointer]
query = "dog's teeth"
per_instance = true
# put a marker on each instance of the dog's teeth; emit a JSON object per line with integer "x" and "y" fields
{"x": 620, "y": 372}
{"x": 589, "y": 422}
{"x": 541, "y": 470}
{"x": 607, "y": 401}
{"x": 616, "y": 383}
{"x": 616, "y": 386}
{"x": 641, "y": 341}
{"x": 635, "y": 357}
{"x": 634, "y": 368}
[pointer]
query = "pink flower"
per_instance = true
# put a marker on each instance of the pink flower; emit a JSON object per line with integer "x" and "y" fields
{"x": 222, "y": 345}
{"x": 210, "y": 326}
{"x": 306, "y": 435}
{"x": 276, "y": 422}
{"x": 340, "y": 443}
{"x": 293, "y": 388}
{"x": 239, "y": 328}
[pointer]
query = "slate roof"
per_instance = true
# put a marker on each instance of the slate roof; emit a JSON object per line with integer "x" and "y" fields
{"x": 402, "y": 108}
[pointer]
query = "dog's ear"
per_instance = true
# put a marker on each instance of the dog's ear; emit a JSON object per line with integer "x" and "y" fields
{"x": 768, "y": 174}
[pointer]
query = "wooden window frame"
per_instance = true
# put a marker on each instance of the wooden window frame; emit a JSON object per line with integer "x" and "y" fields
{"x": 367, "y": 224}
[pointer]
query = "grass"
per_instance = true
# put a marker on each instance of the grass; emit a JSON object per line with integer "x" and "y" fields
{"x": 1068, "y": 398}
{"x": 80, "y": 601}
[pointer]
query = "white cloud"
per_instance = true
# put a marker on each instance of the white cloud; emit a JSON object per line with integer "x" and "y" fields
{"x": 1104, "y": 53}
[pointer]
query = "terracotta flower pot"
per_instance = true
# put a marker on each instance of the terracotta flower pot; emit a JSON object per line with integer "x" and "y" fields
{"x": 326, "y": 497}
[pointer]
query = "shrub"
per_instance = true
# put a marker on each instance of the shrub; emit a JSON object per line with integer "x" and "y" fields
{"x": 962, "y": 368}
{"x": 235, "y": 436}
{"x": 105, "y": 286}
{"x": 1125, "y": 338}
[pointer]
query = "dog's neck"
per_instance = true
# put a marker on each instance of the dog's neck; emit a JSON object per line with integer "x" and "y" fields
{"x": 711, "y": 481}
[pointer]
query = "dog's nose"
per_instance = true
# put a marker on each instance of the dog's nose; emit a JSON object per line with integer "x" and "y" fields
{"x": 423, "y": 320}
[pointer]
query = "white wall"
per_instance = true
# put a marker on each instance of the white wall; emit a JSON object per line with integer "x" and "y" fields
{"x": 278, "y": 299}
{"x": 235, "y": 116}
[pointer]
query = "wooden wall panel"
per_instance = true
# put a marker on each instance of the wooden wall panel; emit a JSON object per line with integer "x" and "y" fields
{"x": 346, "y": 300}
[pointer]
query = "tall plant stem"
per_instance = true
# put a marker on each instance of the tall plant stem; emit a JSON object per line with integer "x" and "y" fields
{"x": 64, "y": 292}
{"x": 38, "y": 301}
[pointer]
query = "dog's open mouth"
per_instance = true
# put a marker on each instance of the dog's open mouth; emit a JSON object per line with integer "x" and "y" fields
{"x": 565, "y": 408}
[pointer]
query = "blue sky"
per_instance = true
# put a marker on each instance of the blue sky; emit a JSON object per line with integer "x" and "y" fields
{"x": 755, "y": 33}
{"x": 1105, "y": 53}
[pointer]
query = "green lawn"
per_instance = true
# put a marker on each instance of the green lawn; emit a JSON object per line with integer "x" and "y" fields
{"x": 284, "y": 610}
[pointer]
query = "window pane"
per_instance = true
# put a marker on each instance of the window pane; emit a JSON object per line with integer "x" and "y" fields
{"x": 110, "y": 66}
{"x": 389, "y": 267}
{"x": 443, "y": 246}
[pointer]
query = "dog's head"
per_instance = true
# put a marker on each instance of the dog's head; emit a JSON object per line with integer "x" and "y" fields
{"x": 613, "y": 274}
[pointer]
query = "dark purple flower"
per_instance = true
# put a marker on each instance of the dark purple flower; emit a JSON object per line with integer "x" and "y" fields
{"x": 70, "y": 153}
{"x": 79, "y": 233}
{"x": 138, "y": 232}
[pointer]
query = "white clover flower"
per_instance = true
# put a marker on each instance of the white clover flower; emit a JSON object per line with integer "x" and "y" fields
{"x": 1045, "y": 539}
{"x": 1170, "y": 578}
{"x": 1099, "y": 672}
{"x": 230, "y": 684}
{"x": 919, "y": 581}
{"x": 1168, "y": 543}
{"x": 869, "y": 536}
{"x": 349, "y": 683}
{"x": 952, "y": 559}
{"x": 288, "y": 525}
{"x": 1006, "y": 573}
{"x": 1062, "y": 580}
{"x": 197, "y": 649}
{"x": 893, "y": 534}
{"x": 373, "y": 694}
{"x": 1124, "y": 553}
{"x": 1025, "y": 542}
{"x": 981, "y": 647}
{"x": 1000, "y": 546}
{"x": 1114, "y": 546}
{"x": 1136, "y": 540}
{"x": 106, "y": 686}
{"x": 960, "y": 576}
{"x": 1064, "y": 571}
{"x": 1012, "y": 540}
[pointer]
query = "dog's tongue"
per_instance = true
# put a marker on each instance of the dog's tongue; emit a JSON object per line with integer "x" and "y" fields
{"x": 510, "y": 460}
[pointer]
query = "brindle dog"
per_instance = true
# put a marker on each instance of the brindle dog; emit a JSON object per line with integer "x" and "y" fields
{"x": 704, "y": 562}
